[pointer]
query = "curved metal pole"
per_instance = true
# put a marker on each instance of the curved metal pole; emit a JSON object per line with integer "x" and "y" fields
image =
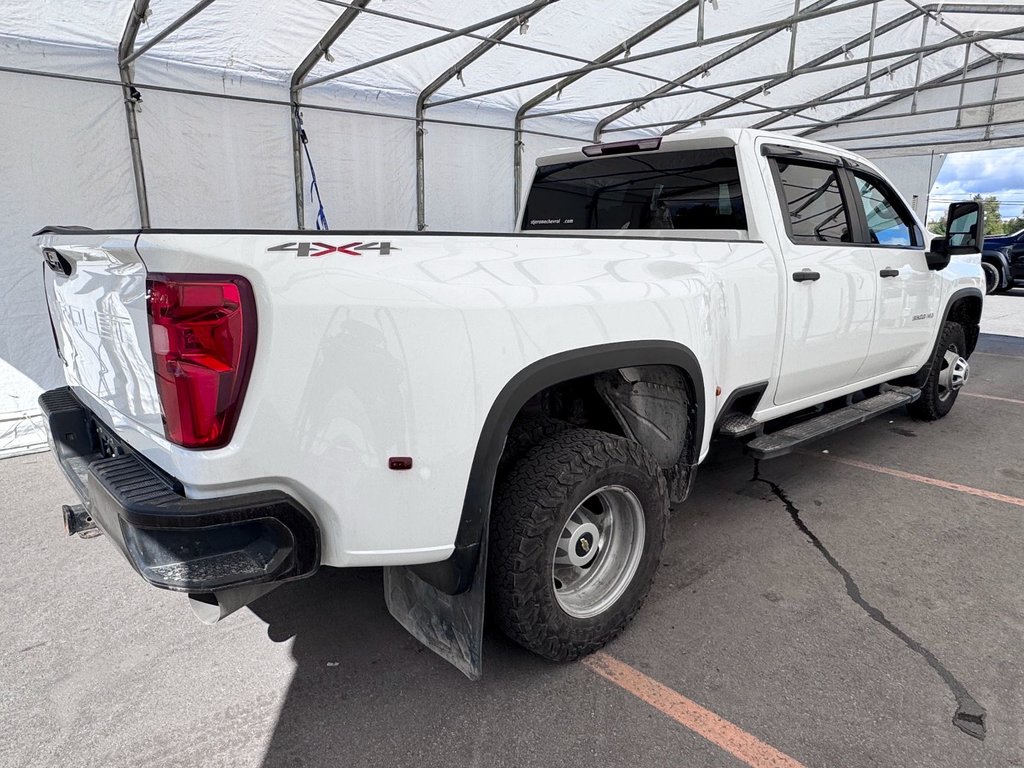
{"x": 421, "y": 102}
{"x": 944, "y": 80}
{"x": 140, "y": 9}
{"x": 607, "y": 56}
{"x": 705, "y": 66}
{"x": 1011, "y": 33}
{"x": 302, "y": 71}
{"x": 793, "y": 110}
{"x": 646, "y": 55}
{"x": 423, "y": 45}
{"x": 827, "y": 56}
{"x": 190, "y": 14}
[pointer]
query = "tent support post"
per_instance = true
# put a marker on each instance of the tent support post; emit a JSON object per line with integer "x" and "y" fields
{"x": 792, "y": 37}
{"x": 920, "y": 62}
{"x": 140, "y": 9}
{"x": 963, "y": 85}
{"x": 871, "y": 47}
{"x": 320, "y": 50}
{"x": 611, "y": 54}
{"x": 455, "y": 70}
{"x": 995, "y": 95}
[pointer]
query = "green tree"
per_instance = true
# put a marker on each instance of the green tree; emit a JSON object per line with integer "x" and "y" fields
{"x": 993, "y": 218}
{"x": 937, "y": 226}
{"x": 1016, "y": 224}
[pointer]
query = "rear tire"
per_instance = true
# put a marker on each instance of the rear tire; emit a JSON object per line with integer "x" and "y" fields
{"x": 576, "y": 536}
{"x": 524, "y": 435}
{"x": 936, "y": 397}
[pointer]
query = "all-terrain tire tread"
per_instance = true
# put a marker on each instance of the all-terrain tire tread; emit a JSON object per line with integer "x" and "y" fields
{"x": 929, "y": 407}
{"x": 529, "y": 500}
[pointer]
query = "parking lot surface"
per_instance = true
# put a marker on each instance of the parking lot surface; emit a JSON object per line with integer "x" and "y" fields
{"x": 836, "y": 607}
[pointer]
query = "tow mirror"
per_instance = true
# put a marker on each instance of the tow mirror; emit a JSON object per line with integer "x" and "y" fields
{"x": 965, "y": 224}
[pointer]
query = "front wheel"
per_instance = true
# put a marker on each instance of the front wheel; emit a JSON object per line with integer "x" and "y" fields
{"x": 576, "y": 536}
{"x": 949, "y": 372}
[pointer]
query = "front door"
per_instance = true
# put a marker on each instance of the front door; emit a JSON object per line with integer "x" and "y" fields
{"x": 830, "y": 279}
{"x": 907, "y": 309}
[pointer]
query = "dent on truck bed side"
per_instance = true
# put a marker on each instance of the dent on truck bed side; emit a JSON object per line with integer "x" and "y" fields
{"x": 455, "y": 575}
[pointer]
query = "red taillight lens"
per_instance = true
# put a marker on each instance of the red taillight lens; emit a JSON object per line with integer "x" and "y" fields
{"x": 203, "y": 332}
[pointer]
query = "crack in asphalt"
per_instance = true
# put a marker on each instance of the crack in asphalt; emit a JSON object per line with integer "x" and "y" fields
{"x": 970, "y": 715}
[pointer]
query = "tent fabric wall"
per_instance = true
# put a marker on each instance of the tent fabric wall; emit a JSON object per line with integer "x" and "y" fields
{"x": 62, "y": 158}
{"x": 216, "y": 129}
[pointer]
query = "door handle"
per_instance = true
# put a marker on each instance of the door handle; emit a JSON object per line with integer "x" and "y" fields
{"x": 805, "y": 275}
{"x": 889, "y": 273}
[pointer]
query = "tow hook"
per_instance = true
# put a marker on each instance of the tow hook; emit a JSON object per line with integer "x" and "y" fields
{"x": 77, "y": 520}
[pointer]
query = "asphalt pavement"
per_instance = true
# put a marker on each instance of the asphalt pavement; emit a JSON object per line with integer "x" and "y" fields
{"x": 838, "y": 606}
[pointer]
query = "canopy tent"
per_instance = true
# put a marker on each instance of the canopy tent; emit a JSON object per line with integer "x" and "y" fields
{"x": 424, "y": 113}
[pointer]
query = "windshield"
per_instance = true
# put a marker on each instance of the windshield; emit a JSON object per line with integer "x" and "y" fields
{"x": 688, "y": 189}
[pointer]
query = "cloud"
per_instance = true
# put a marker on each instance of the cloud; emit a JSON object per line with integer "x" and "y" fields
{"x": 998, "y": 172}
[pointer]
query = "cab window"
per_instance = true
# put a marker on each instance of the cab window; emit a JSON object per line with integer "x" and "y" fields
{"x": 814, "y": 202}
{"x": 888, "y": 221}
{"x": 685, "y": 189}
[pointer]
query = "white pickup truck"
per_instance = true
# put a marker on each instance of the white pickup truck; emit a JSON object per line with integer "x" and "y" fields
{"x": 507, "y": 415}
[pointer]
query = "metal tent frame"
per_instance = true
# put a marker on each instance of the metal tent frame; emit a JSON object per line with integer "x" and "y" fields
{"x": 621, "y": 58}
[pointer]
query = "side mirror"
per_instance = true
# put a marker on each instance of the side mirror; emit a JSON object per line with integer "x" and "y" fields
{"x": 965, "y": 225}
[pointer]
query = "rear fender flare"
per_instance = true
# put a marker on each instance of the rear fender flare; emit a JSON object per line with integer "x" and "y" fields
{"x": 455, "y": 575}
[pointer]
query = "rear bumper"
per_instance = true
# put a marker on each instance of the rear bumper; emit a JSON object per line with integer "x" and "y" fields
{"x": 177, "y": 543}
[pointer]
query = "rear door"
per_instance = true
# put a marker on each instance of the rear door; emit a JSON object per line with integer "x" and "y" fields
{"x": 830, "y": 278}
{"x": 907, "y": 306}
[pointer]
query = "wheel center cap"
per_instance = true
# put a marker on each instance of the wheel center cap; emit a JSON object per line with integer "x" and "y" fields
{"x": 583, "y": 546}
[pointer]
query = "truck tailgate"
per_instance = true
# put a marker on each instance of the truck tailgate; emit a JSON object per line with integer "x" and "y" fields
{"x": 96, "y": 291}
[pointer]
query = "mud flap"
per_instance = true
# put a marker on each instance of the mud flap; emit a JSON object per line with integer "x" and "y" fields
{"x": 452, "y": 626}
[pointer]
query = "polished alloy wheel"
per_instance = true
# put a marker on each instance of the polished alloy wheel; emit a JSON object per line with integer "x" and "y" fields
{"x": 598, "y": 551}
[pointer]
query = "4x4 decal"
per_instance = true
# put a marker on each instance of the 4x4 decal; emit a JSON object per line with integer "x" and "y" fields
{"x": 314, "y": 250}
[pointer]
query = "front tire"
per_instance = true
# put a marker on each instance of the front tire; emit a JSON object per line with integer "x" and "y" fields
{"x": 576, "y": 536}
{"x": 939, "y": 392}
{"x": 993, "y": 278}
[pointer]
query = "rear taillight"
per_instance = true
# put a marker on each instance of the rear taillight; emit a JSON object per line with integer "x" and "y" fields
{"x": 203, "y": 332}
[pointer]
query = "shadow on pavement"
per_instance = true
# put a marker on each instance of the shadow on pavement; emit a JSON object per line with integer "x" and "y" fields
{"x": 365, "y": 692}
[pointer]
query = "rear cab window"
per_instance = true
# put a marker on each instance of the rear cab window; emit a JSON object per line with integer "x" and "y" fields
{"x": 815, "y": 209}
{"x": 692, "y": 189}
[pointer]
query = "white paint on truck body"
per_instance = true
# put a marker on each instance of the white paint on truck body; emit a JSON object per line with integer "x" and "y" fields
{"x": 402, "y": 350}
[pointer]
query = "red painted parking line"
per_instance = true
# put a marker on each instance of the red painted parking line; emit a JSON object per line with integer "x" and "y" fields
{"x": 949, "y": 486}
{"x": 992, "y": 397}
{"x": 720, "y": 732}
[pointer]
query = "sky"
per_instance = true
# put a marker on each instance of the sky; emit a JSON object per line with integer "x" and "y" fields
{"x": 997, "y": 172}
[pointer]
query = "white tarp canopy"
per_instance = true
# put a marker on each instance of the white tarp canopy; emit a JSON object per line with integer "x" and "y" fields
{"x": 422, "y": 112}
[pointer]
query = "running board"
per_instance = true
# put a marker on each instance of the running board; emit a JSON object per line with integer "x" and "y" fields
{"x": 738, "y": 425}
{"x": 789, "y": 439}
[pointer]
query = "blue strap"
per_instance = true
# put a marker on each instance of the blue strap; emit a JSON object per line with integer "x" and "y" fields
{"x": 314, "y": 188}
